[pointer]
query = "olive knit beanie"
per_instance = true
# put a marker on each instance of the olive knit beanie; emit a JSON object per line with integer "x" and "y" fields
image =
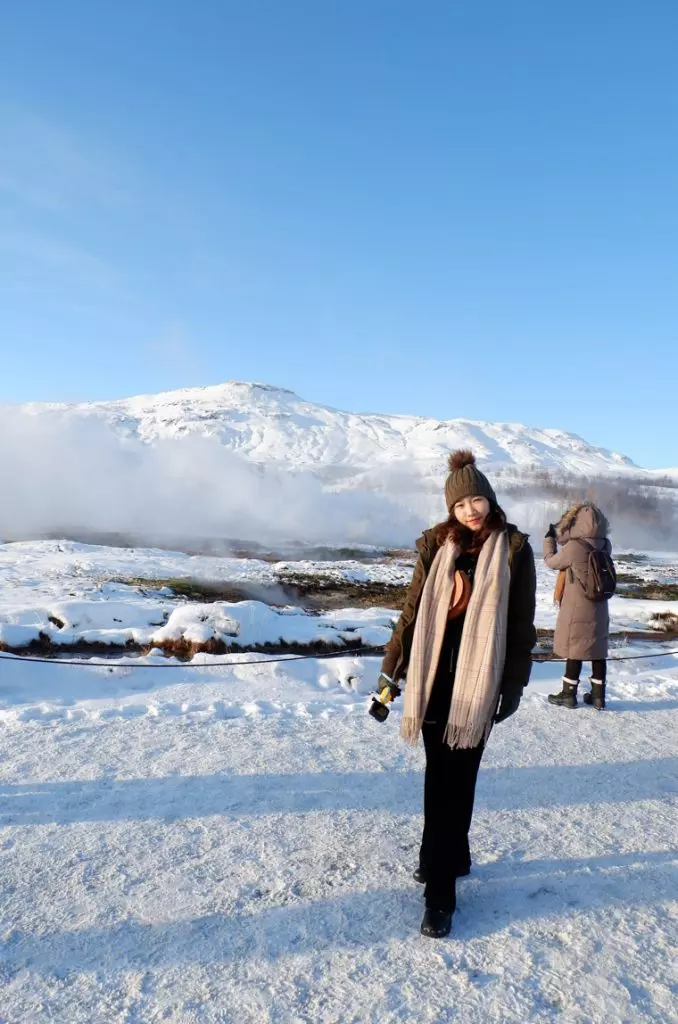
{"x": 466, "y": 480}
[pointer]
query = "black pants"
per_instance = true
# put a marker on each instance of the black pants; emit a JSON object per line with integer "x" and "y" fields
{"x": 449, "y": 793}
{"x": 449, "y": 786}
{"x": 598, "y": 668}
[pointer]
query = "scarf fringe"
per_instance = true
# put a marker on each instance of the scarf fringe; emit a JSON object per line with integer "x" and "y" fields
{"x": 458, "y": 737}
{"x": 410, "y": 730}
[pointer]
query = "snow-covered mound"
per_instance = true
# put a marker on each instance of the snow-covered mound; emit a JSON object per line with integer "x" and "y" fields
{"x": 147, "y": 623}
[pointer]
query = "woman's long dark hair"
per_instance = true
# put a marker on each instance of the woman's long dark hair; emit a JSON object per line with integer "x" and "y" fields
{"x": 470, "y": 541}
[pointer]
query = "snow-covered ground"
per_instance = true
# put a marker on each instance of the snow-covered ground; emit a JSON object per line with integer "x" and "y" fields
{"x": 229, "y": 844}
{"x": 71, "y": 592}
{"x": 39, "y": 571}
{"x": 223, "y": 841}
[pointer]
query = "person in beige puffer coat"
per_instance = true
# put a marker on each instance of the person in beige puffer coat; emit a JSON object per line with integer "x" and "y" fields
{"x": 583, "y": 626}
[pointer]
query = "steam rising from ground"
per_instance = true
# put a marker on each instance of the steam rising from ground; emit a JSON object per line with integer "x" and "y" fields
{"x": 79, "y": 478}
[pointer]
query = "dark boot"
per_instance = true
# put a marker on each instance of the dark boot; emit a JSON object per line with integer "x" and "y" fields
{"x": 567, "y": 698}
{"x": 436, "y": 924}
{"x": 596, "y": 698}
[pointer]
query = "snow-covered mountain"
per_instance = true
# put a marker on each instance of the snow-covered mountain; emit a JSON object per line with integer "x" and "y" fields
{"x": 247, "y": 460}
{"x": 270, "y": 425}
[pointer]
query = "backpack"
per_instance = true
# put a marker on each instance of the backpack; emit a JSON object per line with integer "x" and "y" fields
{"x": 601, "y": 578}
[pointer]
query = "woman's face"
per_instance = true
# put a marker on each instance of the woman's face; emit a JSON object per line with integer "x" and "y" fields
{"x": 472, "y": 512}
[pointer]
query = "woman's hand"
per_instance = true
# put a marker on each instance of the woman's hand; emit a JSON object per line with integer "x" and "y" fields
{"x": 385, "y": 682}
{"x": 508, "y": 705}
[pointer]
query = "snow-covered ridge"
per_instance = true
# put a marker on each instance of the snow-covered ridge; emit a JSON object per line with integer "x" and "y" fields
{"x": 272, "y": 425}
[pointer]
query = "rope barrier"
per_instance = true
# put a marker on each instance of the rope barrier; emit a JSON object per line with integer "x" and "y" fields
{"x": 628, "y": 657}
{"x": 364, "y": 651}
{"x": 89, "y": 663}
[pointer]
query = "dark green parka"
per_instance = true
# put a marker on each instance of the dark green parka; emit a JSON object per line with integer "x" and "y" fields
{"x": 521, "y": 635}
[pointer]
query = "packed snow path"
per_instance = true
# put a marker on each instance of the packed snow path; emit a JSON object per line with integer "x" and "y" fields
{"x": 237, "y": 844}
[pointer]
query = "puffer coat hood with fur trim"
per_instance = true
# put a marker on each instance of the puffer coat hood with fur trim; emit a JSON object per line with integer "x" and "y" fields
{"x": 583, "y": 521}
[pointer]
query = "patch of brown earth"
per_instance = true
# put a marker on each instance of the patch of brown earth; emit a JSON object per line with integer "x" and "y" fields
{"x": 182, "y": 649}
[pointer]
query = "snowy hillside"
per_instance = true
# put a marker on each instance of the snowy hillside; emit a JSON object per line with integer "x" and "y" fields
{"x": 272, "y": 425}
{"x": 254, "y": 462}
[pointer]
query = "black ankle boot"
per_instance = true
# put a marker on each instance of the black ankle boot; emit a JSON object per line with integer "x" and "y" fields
{"x": 567, "y": 698}
{"x": 436, "y": 924}
{"x": 419, "y": 875}
{"x": 596, "y": 698}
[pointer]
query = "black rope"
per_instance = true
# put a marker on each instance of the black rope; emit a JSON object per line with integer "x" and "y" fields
{"x": 365, "y": 651}
{"x": 88, "y": 663}
{"x": 628, "y": 657}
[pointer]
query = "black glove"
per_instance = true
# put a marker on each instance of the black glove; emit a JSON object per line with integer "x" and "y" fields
{"x": 508, "y": 705}
{"x": 551, "y": 531}
{"x": 383, "y": 681}
{"x": 379, "y": 708}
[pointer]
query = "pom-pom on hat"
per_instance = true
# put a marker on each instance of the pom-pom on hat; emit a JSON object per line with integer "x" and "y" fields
{"x": 466, "y": 480}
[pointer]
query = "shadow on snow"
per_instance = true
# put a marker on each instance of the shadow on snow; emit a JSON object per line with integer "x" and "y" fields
{"x": 175, "y": 798}
{"x": 506, "y": 896}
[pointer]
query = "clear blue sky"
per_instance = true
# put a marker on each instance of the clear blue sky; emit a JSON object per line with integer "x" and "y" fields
{"x": 446, "y": 208}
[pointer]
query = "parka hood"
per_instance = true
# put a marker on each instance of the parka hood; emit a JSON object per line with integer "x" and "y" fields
{"x": 583, "y": 521}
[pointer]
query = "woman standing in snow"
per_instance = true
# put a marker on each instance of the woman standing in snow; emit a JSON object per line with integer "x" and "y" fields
{"x": 465, "y": 640}
{"x": 583, "y": 626}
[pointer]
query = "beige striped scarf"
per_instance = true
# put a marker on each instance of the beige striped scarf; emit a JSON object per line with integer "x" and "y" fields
{"x": 480, "y": 664}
